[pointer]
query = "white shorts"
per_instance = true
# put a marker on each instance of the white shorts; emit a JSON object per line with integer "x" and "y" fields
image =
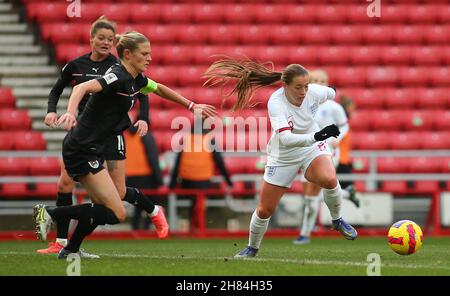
{"x": 284, "y": 174}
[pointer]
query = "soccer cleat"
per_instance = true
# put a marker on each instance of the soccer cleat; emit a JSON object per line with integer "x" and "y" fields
{"x": 248, "y": 252}
{"x": 53, "y": 248}
{"x": 160, "y": 222}
{"x": 345, "y": 229}
{"x": 352, "y": 197}
{"x": 43, "y": 221}
{"x": 63, "y": 254}
{"x": 301, "y": 240}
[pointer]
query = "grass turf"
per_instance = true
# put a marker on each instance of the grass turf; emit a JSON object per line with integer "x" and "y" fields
{"x": 324, "y": 256}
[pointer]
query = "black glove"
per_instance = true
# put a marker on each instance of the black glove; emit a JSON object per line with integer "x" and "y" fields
{"x": 328, "y": 131}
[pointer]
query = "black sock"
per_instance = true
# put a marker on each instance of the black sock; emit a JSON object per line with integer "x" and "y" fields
{"x": 95, "y": 214}
{"x": 62, "y": 226}
{"x": 82, "y": 230}
{"x": 135, "y": 197}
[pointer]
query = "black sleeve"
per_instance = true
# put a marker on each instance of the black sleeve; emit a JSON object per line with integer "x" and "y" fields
{"x": 151, "y": 150}
{"x": 174, "y": 175}
{"x": 143, "y": 107}
{"x": 218, "y": 160}
{"x": 111, "y": 81}
{"x": 63, "y": 80}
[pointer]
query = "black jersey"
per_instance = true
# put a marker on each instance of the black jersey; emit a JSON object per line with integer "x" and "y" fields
{"x": 106, "y": 110}
{"x": 77, "y": 71}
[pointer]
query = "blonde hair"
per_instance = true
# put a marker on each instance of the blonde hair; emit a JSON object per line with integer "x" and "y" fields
{"x": 316, "y": 75}
{"x": 250, "y": 76}
{"x": 129, "y": 40}
{"x": 102, "y": 23}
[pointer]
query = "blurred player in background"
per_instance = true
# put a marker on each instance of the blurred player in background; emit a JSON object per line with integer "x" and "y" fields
{"x": 330, "y": 112}
{"x": 91, "y": 66}
{"x": 296, "y": 143}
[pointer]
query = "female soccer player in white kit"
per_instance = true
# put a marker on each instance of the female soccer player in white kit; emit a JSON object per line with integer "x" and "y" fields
{"x": 296, "y": 142}
{"x": 330, "y": 112}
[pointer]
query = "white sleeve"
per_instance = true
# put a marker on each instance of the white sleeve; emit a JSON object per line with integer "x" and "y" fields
{"x": 321, "y": 93}
{"x": 281, "y": 126}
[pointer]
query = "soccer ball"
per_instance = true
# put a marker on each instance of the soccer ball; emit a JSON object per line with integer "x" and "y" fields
{"x": 405, "y": 237}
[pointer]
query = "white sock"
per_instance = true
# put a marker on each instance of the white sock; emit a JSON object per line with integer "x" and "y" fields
{"x": 155, "y": 212}
{"x": 333, "y": 200}
{"x": 258, "y": 228}
{"x": 62, "y": 241}
{"x": 310, "y": 214}
{"x": 345, "y": 194}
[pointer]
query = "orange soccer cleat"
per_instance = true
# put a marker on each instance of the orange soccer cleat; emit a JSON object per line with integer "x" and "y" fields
{"x": 53, "y": 248}
{"x": 160, "y": 222}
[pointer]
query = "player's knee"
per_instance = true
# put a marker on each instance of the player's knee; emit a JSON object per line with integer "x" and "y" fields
{"x": 264, "y": 213}
{"x": 329, "y": 181}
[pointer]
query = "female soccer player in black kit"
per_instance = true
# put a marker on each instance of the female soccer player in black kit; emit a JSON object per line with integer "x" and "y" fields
{"x": 90, "y": 66}
{"x": 113, "y": 96}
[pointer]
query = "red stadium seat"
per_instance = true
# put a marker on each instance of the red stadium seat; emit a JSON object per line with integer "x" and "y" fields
{"x": 268, "y": 13}
{"x": 12, "y": 119}
{"x": 238, "y": 13}
{"x": 176, "y": 13}
{"x": 382, "y": 76}
{"x": 365, "y": 55}
{"x": 302, "y": 54}
{"x": 440, "y": 76}
{"x": 315, "y": 34}
{"x": 394, "y": 186}
{"x": 408, "y": 76}
{"x": 388, "y": 120}
{"x": 165, "y": 75}
{"x": 408, "y": 34}
{"x": 362, "y": 120}
{"x": 117, "y": 12}
{"x": 360, "y": 165}
{"x": 406, "y": 141}
{"x": 335, "y": 14}
{"x": 418, "y": 120}
{"x": 68, "y": 52}
{"x": 422, "y": 13}
{"x": 254, "y": 34}
{"x": 284, "y": 34}
{"x": 303, "y": 14}
{"x": 175, "y": 54}
{"x": 14, "y": 166}
{"x": 395, "y": 55}
{"x": 378, "y": 34}
{"x": 424, "y": 165}
{"x": 444, "y": 164}
{"x": 347, "y": 34}
{"x": 436, "y": 140}
{"x": 210, "y": 96}
{"x": 6, "y": 140}
{"x": 225, "y": 34}
{"x": 370, "y": 140}
{"x": 45, "y": 189}
{"x": 7, "y": 99}
{"x": 430, "y": 55}
{"x": 351, "y": 76}
{"x": 392, "y": 165}
{"x": 208, "y": 13}
{"x": 194, "y": 34}
{"x": 235, "y": 165}
{"x": 357, "y": 13}
{"x": 395, "y": 13}
{"x": 399, "y": 98}
{"x": 29, "y": 141}
{"x": 45, "y": 166}
{"x": 161, "y": 33}
{"x": 190, "y": 75}
{"x": 433, "y": 97}
{"x": 437, "y": 34}
{"x": 333, "y": 55}
{"x": 14, "y": 190}
{"x": 92, "y": 11}
{"x": 426, "y": 186}
{"x": 49, "y": 12}
{"x": 145, "y": 13}
{"x": 444, "y": 13}
{"x": 442, "y": 120}
{"x": 279, "y": 55}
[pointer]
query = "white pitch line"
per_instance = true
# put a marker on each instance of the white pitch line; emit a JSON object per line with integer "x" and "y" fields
{"x": 276, "y": 260}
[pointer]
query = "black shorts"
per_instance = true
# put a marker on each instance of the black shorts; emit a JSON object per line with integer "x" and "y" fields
{"x": 80, "y": 160}
{"x": 114, "y": 147}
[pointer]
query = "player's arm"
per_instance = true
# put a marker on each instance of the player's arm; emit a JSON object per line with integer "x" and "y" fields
{"x": 78, "y": 92}
{"x": 142, "y": 123}
{"x": 287, "y": 138}
{"x": 171, "y": 95}
{"x": 55, "y": 93}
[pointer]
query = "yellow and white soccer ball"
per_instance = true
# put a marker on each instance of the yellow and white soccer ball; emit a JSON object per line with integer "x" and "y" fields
{"x": 405, "y": 237}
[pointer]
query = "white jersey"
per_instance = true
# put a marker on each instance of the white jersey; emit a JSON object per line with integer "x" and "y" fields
{"x": 299, "y": 120}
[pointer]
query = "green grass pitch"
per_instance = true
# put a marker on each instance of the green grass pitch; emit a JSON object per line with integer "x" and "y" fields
{"x": 209, "y": 257}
